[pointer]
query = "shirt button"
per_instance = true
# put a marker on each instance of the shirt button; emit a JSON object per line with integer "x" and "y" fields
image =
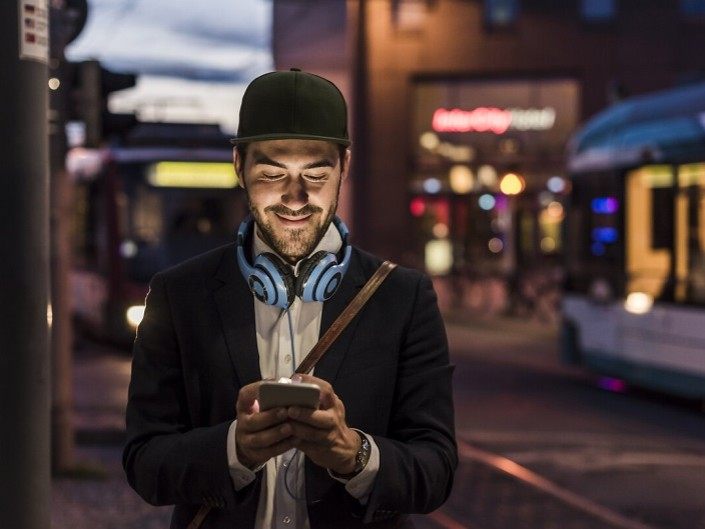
{"x": 286, "y": 519}
{"x": 287, "y": 358}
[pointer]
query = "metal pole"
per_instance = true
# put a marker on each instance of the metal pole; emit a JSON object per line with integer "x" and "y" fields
{"x": 63, "y": 442}
{"x": 24, "y": 359}
{"x": 361, "y": 145}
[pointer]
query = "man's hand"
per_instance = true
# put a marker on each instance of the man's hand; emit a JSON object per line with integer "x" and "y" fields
{"x": 323, "y": 434}
{"x": 260, "y": 436}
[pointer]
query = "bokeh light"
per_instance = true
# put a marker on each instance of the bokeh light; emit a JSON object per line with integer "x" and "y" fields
{"x": 512, "y": 184}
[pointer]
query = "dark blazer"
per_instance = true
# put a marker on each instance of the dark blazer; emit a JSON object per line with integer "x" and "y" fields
{"x": 196, "y": 347}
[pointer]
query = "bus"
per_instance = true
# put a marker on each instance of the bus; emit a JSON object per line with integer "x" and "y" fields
{"x": 634, "y": 301}
{"x": 169, "y": 193}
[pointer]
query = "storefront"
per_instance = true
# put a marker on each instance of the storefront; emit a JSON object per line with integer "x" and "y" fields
{"x": 488, "y": 158}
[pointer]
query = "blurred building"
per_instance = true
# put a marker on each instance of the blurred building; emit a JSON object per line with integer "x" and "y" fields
{"x": 454, "y": 95}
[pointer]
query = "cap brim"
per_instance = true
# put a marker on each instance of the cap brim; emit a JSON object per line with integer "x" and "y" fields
{"x": 289, "y": 136}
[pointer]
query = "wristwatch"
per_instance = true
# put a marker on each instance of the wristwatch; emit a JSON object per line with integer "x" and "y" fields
{"x": 361, "y": 458}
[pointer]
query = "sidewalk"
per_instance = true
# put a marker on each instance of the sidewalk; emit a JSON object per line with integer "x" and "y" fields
{"x": 101, "y": 377}
{"x": 101, "y": 497}
{"x": 108, "y": 502}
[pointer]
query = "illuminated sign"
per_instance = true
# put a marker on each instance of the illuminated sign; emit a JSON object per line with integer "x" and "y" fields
{"x": 605, "y": 235}
{"x": 491, "y": 119}
{"x": 605, "y": 205}
{"x": 192, "y": 174}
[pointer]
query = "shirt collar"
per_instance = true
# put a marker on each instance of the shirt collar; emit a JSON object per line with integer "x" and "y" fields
{"x": 330, "y": 242}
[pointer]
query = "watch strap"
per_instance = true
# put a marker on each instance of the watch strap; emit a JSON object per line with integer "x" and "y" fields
{"x": 361, "y": 457}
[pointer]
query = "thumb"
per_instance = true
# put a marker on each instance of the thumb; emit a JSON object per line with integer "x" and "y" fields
{"x": 247, "y": 399}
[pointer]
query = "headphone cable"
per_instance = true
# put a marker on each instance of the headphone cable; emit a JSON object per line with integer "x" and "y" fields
{"x": 290, "y": 463}
{"x": 291, "y": 337}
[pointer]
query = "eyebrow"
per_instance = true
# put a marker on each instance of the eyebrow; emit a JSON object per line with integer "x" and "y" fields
{"x": 266, "y": 160}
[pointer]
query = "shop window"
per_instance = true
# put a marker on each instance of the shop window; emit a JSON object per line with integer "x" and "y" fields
{"x": 693, "y": 7}
{"x": 500, "y": 13}
{"x": 598, "y": 10}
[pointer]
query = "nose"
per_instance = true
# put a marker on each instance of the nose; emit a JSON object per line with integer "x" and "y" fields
{"x": 295, "y": 194}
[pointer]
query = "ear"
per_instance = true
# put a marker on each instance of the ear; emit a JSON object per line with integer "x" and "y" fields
{"x": 346, "y": 170}
{"x": 239, "y": 169}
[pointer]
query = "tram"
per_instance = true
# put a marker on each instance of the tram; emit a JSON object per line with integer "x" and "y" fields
{"x": 634, "y": 302}
{"x": 167, "y": 194}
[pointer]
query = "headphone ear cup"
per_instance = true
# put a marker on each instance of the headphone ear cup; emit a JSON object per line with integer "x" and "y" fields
{"x": 305, "y": 268}
{"x": 313, "y": 282}
{"x": 281, "y": 277}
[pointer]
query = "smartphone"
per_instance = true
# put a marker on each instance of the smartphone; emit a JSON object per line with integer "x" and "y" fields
{"x": 277, "y": 394}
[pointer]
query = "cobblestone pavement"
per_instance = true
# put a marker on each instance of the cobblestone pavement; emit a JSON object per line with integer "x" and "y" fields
{"x": 483, "y": 497}
{"x": 102, "y": 502}
{"x": 488, "y": 498}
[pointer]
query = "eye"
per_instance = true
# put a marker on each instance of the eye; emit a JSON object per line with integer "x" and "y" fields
{"x": 272, "y": 177}
{"x": 316, "y": 177}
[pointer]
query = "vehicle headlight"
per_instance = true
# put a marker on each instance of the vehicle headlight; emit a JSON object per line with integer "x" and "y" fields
{"x": 134, "y": 315}
{"x": 639, "y": 302}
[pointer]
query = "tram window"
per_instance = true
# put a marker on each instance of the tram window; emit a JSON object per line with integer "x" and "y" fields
{"x": 649, "y": 230}
{"x": 593, "y": 232}
{"x": 164, "y": 225}
{"x": 690, "y": 232}
{"x": 662, "y": 225}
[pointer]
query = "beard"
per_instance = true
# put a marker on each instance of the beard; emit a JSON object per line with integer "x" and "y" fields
{"x": 293, "y": 244}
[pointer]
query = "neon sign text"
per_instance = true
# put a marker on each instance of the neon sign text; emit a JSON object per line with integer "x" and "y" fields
{"x": 491, "y": 119}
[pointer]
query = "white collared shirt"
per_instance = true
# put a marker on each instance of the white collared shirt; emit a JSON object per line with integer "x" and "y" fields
{"x": 282, "y": 502}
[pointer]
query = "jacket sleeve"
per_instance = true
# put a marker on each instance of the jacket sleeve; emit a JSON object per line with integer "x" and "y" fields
{"x": 418, "y": 456}
{"x": 166, "y": 459}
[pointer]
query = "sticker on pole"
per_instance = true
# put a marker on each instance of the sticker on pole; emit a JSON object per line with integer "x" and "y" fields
{"x": 34, "y": 30}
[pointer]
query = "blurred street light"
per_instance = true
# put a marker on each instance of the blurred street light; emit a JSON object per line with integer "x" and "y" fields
{"x": 512, "y": 184}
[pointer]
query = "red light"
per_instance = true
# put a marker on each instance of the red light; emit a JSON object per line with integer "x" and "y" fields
{"x": 417, "y": 207}
{"x": 479, "y": 120}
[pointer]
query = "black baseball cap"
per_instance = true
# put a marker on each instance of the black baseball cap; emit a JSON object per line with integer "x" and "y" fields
{"x": 292, "y": 105}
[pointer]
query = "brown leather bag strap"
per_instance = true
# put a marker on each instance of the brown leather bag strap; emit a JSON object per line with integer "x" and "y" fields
{"x": 200, "y": 516}
{"x": 345, "y": 317}
{"x": 324, "y": 343}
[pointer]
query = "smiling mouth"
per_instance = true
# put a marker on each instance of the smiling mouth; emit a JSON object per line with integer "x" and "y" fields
{"x": 289, "y": 220}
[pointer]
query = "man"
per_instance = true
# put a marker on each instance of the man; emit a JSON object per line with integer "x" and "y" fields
{"x": 381, "y": 443}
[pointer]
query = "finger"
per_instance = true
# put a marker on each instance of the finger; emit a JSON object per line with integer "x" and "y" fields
{"x": 310, "y": 379}
{"x": 263, "y": 420}
{"x": 265, "y": 438}
{"x": 262, "y": 455}
{"x": 328, "y": 400}
{"x": 321, "y": 419}
{"x": 326, "y": 397}
{"x": 313, "y": 435}
{"x": 278, "y": 448}
{"x": 246, "y": 398}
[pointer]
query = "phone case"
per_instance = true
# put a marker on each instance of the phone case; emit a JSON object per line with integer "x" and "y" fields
{"x": 275, "y": 394}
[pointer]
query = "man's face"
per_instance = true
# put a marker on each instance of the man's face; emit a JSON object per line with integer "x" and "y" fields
{"x": 292, "y": 187}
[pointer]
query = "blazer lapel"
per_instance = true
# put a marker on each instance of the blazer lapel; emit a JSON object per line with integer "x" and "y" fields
{"x": 237, "y": 313}
{"x": 318, "y": 483}
{"x": 327, "y": 367}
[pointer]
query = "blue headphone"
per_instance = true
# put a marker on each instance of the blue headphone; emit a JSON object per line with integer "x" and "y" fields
{"x": 272, "y": 281}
